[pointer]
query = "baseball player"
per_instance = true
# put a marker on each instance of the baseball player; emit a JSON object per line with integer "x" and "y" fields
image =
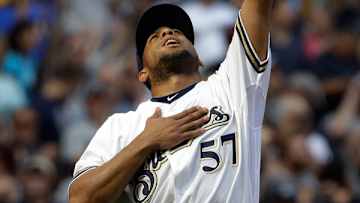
{"x": 194, "y": 141}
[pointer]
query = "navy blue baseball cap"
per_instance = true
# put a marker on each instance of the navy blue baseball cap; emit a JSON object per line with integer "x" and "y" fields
{"x": 168, "y": 15}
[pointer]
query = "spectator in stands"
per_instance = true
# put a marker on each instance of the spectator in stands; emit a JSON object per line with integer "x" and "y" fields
{"x": 17, "y": 61}
{"x": 37, "y": 175}
{"x": 336, "y": 66}
{"x": 16, "y": 97}
{"x": 9, "y": 191}
{"x": 347, "y": 114}
{"x": 352, "y": 163}
{"x": 286, "y": 37}
{"x": 78, "y": 135}
{"x": 25, "y": 132}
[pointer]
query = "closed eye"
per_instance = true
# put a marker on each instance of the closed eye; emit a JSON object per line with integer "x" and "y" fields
{"x": 178, "y": 31}
{"x": 153, "y": 36}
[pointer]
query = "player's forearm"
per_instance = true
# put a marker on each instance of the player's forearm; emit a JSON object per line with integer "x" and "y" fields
{"x": 256, "y": 16}
{"x": 107, "y": 182}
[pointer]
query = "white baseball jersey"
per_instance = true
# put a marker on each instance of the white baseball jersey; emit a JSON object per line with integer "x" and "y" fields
{"x": 223, "y": 164}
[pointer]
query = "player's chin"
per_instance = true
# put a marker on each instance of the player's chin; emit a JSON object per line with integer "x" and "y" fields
{"x": 174, "y": 52}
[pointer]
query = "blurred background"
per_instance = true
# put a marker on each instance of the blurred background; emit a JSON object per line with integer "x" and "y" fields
{"x": 65, "y": 65}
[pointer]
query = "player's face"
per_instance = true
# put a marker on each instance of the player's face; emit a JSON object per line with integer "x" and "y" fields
{"x": 169, "y": 51}
{"x": 164, "y": 41}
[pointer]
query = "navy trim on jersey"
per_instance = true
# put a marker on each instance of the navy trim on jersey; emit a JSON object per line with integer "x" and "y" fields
{"x": 258, "y": 65}
{"x": 79, "y": 173}
{"x": 168, "y": 99}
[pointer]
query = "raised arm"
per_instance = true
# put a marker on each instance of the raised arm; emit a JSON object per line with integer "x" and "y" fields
{"x": 256, "y": 17}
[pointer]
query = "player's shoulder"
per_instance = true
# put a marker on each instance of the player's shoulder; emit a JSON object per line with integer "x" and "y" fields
{"x": 118, "y": 126}
{"x": 110, "y": 125}
{"x": 120, "y": 118}
{"x": 133, "y": 115}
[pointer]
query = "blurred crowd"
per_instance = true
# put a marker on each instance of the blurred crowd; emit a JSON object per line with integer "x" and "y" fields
{"x": 65, "y": 65}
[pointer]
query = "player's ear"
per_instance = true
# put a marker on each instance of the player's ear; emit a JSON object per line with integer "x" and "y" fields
{"x": 143, "y": 75}
{"x": 200, "y": 62}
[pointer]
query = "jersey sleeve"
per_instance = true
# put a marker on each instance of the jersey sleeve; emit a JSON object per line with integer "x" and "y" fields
{"x": 101, "y": 148}
{"x": 243, "y": 77}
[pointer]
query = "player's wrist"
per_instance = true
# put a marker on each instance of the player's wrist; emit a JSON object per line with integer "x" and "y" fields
{"x": 146, "y": 144}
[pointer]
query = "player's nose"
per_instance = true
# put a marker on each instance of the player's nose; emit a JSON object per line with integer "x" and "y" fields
{"x": 166, "y": 31}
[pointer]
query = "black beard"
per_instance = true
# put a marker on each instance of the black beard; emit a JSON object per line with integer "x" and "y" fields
{"x": 181, "y": 62}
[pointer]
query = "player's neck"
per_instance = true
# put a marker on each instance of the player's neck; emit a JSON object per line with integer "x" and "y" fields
{"x": 173, "y": 84}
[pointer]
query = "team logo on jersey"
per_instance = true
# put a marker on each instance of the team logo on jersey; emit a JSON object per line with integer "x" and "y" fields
{"x": 155, "y": 161}
{"x": 217, "y": 118}
{"x": 145, "y": 181}
{"x": 144, "y": 186}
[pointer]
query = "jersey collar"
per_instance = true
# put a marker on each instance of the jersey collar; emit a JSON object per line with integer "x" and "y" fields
{"x": 168, "y": 99}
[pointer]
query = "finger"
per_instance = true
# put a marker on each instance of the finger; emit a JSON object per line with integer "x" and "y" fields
{"x": 194, "y": 124}
{"x": 185, "y": 113}
{"x": 157, "y": 113}
{"x": 193, "y": 133}
{"x": 194, "y": 116}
